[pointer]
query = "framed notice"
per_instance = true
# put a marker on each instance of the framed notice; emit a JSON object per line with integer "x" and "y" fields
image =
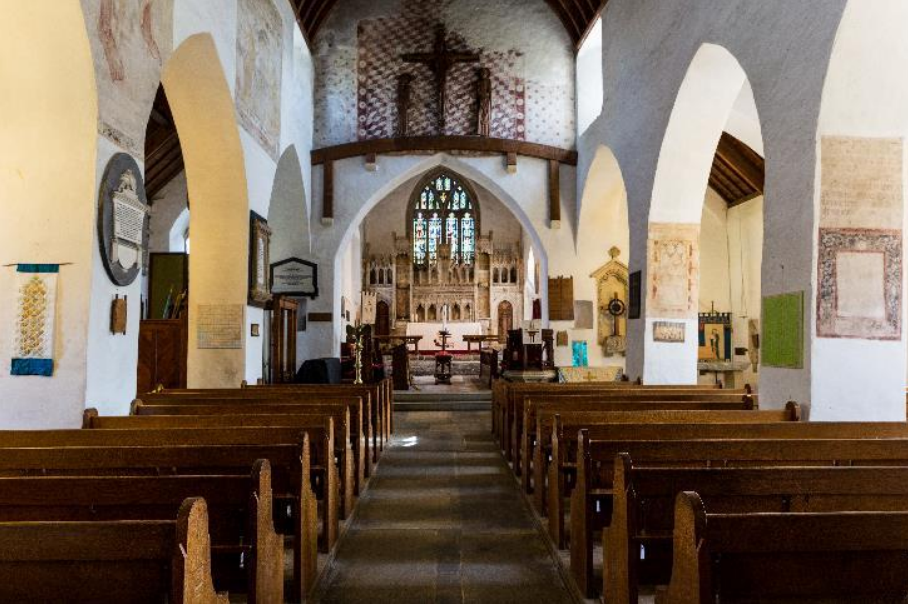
{"x": 294, "y": 277}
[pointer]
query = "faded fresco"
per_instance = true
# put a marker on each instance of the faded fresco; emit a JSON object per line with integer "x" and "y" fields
{"x": 859, "y": 267}
{"x": 673, "y": 260}
{"x": 259, "y": 48}
{"x": 131, "y": 40}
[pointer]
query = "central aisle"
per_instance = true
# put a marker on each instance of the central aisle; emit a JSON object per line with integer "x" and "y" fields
{"x": 443, "y": 521}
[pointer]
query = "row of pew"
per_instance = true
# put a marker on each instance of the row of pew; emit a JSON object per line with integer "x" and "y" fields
{"x": 190, "y": 497}
{"x": 697, "y": 495}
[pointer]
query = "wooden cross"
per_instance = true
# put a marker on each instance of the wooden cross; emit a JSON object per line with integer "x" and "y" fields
{"x": 440, "y": 61}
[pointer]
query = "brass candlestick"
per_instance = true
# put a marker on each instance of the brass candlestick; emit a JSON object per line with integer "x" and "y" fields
{"x": 358, "y": 363}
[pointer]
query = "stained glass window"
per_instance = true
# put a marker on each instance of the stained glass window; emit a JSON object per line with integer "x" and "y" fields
{"x": 450, "y": 220}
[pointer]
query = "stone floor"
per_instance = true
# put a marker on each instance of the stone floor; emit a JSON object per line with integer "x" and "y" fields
{"x": 443, "y": 521}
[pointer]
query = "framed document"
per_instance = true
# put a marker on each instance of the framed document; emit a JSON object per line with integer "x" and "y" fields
{"x": 259, "y": 261}
{"x": 294, "y": 277}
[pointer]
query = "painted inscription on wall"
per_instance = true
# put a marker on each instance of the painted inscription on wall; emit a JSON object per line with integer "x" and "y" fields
{"x": 859, "y": 271}
{"x": 673, "y": 256}
{"x": 259, "y": 48}
{"x": 131, "y": 40}
{"x": 220, "y": 326}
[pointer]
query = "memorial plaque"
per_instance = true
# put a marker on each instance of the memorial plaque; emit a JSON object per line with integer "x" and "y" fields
{"x": 668, "y": 331}
{"x": 123, "y": 216}
{"x": 220, "y": 326}
{"x": 294, "y": 277}
{"x": 259, "y": 261}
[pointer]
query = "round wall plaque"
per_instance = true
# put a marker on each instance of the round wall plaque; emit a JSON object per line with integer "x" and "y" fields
{"x": 123, "y": 216}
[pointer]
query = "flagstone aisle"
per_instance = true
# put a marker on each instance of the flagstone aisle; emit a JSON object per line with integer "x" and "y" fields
{"x": 443, "y": 521}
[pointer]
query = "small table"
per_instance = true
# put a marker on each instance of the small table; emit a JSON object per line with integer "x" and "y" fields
{"x": 405, "y": 339}
{"x": 480, "y": 340}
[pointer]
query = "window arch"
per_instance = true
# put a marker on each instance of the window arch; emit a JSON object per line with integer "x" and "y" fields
{"x": 443, "y": 211}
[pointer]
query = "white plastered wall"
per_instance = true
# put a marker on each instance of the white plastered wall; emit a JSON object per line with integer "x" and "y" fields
{"x": 47, "y": 186}
{"x": 784, "y": 49}
{"x": 866, "y": 95}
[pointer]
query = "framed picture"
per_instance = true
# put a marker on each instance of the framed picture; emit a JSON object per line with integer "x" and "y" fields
{"x": 259, "y": 261}
{"x": 634, "y": 291}
{"x": 295, "y": 277}
{"x": 714, "y": 337}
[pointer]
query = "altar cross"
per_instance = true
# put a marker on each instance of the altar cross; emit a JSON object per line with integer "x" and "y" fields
{"x": 440, "y": 61}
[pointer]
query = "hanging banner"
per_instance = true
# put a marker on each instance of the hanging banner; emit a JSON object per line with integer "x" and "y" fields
{"x": 36, "y": 299}
{"x": 370, "y": 300}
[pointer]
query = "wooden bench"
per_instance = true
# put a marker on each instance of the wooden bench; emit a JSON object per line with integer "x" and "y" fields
{"x": 639, "y": 543}
{"x": 247, "y": 553}
{"x": 831, "y": 556}
{"x": 512, "y": 415}
{"x": 554, "y": 466}
{"x": 591, "y": 499}
{"x": 351, "y": 468}
{"x": 504, "y": 393}
{"x": 290, "y": 478}
{"x": 356, "y": 427}
{"x": 110, "y": 562}
{"x": 381, "y": 394}
{"x": 553, "y": 404}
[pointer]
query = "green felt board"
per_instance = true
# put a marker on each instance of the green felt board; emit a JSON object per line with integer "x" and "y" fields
{"x": 783, "y": 331}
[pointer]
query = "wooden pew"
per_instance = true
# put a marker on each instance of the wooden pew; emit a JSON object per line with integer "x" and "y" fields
{"x": 359, "y": 433}
{"x": 553, "y": 404}
{"x": 554, "y": 477}
{"x": 827, "y": 557}
{"x": 644, "y": 499}
{"x": 290, "y": 477}
{"x": 239, "y": 511}
{"x": 554, "y": 466}
{"x": 381, "y": 393}
{"x": 516, "y": 401}
{"x": 591, "y": 499}
{"x": 110, "y": 562}
{"x": 504, "y": 395}
{"x": 351, "y": 472}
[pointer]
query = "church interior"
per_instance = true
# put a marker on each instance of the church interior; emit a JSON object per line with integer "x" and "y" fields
{"x": 453, "y": 301}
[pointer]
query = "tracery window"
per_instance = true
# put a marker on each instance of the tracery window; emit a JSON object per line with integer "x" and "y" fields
{"x": 443, "y": 213}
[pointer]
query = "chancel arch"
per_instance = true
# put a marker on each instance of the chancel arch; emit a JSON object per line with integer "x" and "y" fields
{"x": 705, "y": 243}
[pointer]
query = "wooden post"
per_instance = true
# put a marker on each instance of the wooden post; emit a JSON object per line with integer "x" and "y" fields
{"x": 328, "y": 194}
{"x": 512, "y": 163}
{"x": 554, "y": 194}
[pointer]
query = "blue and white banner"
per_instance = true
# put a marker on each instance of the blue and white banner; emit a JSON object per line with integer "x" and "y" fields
{"x": 36, "y": 300}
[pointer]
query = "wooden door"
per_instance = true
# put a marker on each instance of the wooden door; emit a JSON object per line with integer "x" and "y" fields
{"x": 505, "y": 320}
{"x": 382, "y": 319}
{"x": 283, "y": 339}
{"x": 162, "y": 355}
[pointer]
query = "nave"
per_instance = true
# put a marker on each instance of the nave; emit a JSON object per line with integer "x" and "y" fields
{"x": 443, "y": 521}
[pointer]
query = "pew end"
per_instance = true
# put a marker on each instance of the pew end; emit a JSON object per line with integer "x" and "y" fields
{"x": 88, "y": 418}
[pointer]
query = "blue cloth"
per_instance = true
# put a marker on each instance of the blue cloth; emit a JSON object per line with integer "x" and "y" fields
{"x": 38, "y": 268}
{"x": 42, "y": 367}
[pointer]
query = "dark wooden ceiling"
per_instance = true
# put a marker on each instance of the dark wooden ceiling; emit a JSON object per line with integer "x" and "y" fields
{"x": 578, "y": 16}
{"x": 738, "y": 172}
{"x": 163, "y": 154}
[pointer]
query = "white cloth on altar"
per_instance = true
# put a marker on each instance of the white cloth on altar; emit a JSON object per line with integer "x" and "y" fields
{"x": 429, "y": 333}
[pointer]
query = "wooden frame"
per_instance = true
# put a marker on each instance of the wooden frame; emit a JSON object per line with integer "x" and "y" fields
{"x": 296, "y": 283}
{"x": 259, "y": 261}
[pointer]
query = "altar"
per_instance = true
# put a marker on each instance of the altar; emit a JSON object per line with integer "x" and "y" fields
{"x": 429, "y": 333}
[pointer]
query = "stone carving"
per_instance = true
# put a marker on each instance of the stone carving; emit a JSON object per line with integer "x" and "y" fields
{"x": 484, "y": 99}
{"x": 674, "y": 269}
{"x": 259, "y": 49}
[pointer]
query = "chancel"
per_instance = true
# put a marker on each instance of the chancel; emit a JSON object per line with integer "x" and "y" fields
{"x": 446, "y": 300}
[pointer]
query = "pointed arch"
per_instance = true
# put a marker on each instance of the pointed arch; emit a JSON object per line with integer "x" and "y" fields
{"x": 205, "y": 118}
{"x": 288, "y": 213}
